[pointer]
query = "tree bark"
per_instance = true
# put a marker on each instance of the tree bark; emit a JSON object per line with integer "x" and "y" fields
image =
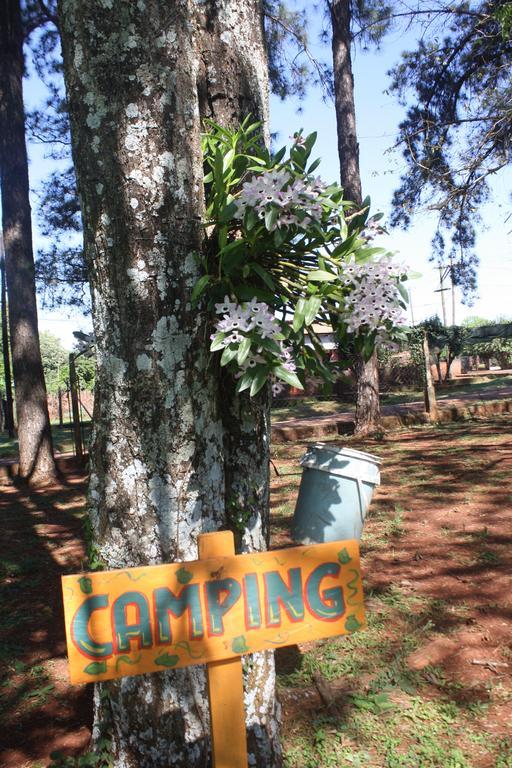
{"x": 9, "y": 410}
{"x": 367, "y": 403}
{"x": 138, "y": 76}
{"x": 36, "y": 462}
{"x": 233, "y": 83}
{"x": 429, "y": 392}
{"x": 367, "y": 374}
{"x": 348, "y": 147}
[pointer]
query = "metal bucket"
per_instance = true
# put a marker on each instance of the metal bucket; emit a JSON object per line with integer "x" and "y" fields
{"x": 335, "y": 492}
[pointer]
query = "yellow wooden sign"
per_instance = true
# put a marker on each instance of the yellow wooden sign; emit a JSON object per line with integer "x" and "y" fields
{"x": 153, "y": 618}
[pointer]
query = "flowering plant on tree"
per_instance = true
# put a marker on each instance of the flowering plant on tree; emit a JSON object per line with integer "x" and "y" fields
{"x": 250, "y": 335}
{"x": 281, "y": 254}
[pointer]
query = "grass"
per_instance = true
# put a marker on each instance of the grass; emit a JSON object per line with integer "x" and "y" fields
{"x": 62, "y": 440}
{"x": 309, "y": 407}
{"x": 389, "y": 713}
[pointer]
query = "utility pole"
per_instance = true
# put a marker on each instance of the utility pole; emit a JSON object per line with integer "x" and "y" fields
{"x": 443, "y": 274}
{"x": 442, "y": 289}
{"x": 452, "y": 276}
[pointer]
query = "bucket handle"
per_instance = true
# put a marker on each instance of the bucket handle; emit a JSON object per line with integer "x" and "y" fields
{"x": 360, "y": 494}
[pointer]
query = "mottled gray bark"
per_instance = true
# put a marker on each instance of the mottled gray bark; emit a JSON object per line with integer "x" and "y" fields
{"x": 367, "y": 374}
{"x": 161, "y": 467}
{"x": 36, "y": 463}
{"x": 233, "y": 83}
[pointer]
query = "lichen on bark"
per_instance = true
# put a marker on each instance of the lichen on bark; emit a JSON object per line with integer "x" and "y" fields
{"x": 168, "y": 451}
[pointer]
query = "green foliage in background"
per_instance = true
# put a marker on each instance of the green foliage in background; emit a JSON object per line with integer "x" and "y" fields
{"x": 498, "y": 350}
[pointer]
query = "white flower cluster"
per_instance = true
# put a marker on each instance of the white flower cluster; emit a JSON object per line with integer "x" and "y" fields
{"x": 255, "y": 319}
{"x": 288, "y": 197}
{"x": 240, "y": 319}
{"x": 374, "y": 299}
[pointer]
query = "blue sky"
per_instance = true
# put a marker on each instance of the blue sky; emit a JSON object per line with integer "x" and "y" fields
{"x": 378, "y": 116}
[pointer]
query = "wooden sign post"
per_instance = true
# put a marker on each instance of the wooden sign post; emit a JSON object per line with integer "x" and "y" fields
{"x": 211, "y": 611}
{"x": 225, "y": 681}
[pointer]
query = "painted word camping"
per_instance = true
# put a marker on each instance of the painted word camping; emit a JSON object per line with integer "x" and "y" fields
{"x": 139, "y": 620}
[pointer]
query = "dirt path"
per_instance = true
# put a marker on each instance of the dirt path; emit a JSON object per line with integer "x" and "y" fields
{"x": 41, "y": 539}
{"x": 437, "y": 563}
{"x": 427, "y": 684}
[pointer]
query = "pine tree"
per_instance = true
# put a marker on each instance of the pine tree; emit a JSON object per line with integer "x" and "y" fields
{"x": 342, "y": 14}
{"x": 36, "y": 462}
{"x": 174, "y": 452}
{"x": 456, "y": 135}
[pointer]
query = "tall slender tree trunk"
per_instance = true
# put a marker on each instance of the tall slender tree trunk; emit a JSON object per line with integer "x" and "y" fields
{"x": 164, "y": 466}
{"x": 366, "y": 372}
{"x": 9, "y": 410}
{"x": 36, "y": 462}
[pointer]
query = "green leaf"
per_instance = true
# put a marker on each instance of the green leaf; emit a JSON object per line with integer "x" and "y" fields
{"x": 232, "y": 255}
{"x": 228, "y": 159}
{"x": 352, "y": 623}
{"x": 227, "y": 213}
{"x": 299, "y": 314}
{"x": 289, "y": 377}
{"x": 321, "y": 276}
{"x": 127, "y": 660}
{"x": 344, "y": 557}
{"x": 367, "y": 252}
{"x": 313, "y": 304}
{"x": 280, "y": 235}
{"x": 85, "y": 585}
{"x": 270, "y": 345}
{"x": 310, "y": 141}
{"x": 183, "y": 575}
{"x": 259, "y": 162}
{"x": 259, "y": 381}
{"x": 368, "y": 347}
{"x": 251, "y": 219}
{"x": 243, "y": 351}
{"x": 218, "y": 342}
{"x": 228, "y": 355}
{"x": 265, "y": 276}
{"x": 278, "y": 156}
{"x": 218, "y": 169}
{"x": 96, "y": 668}
{"x": 270, "y": 218}
{"x": 314, "y": 165}
{"x": 403, "y": 292}
{"x": 166, "y": 660}
{"x": 245, "y": 381}
{"x": 239, "y": 644}
{"x": 199, "y": 287}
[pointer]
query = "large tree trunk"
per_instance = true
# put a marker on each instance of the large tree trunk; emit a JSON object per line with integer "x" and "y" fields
{"x": 9, "y": 410}
{"x": 36, "y": 462}
{"x": 367, "y": 375}
{"x": 235, "y": 84}
{"x": 162, "y": 467}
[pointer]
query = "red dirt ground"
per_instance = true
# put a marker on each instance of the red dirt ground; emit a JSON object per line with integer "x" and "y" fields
{"x": 454, "y": 544}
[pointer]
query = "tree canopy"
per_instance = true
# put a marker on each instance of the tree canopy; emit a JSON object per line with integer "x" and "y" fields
{"x": 456, "y": 133}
